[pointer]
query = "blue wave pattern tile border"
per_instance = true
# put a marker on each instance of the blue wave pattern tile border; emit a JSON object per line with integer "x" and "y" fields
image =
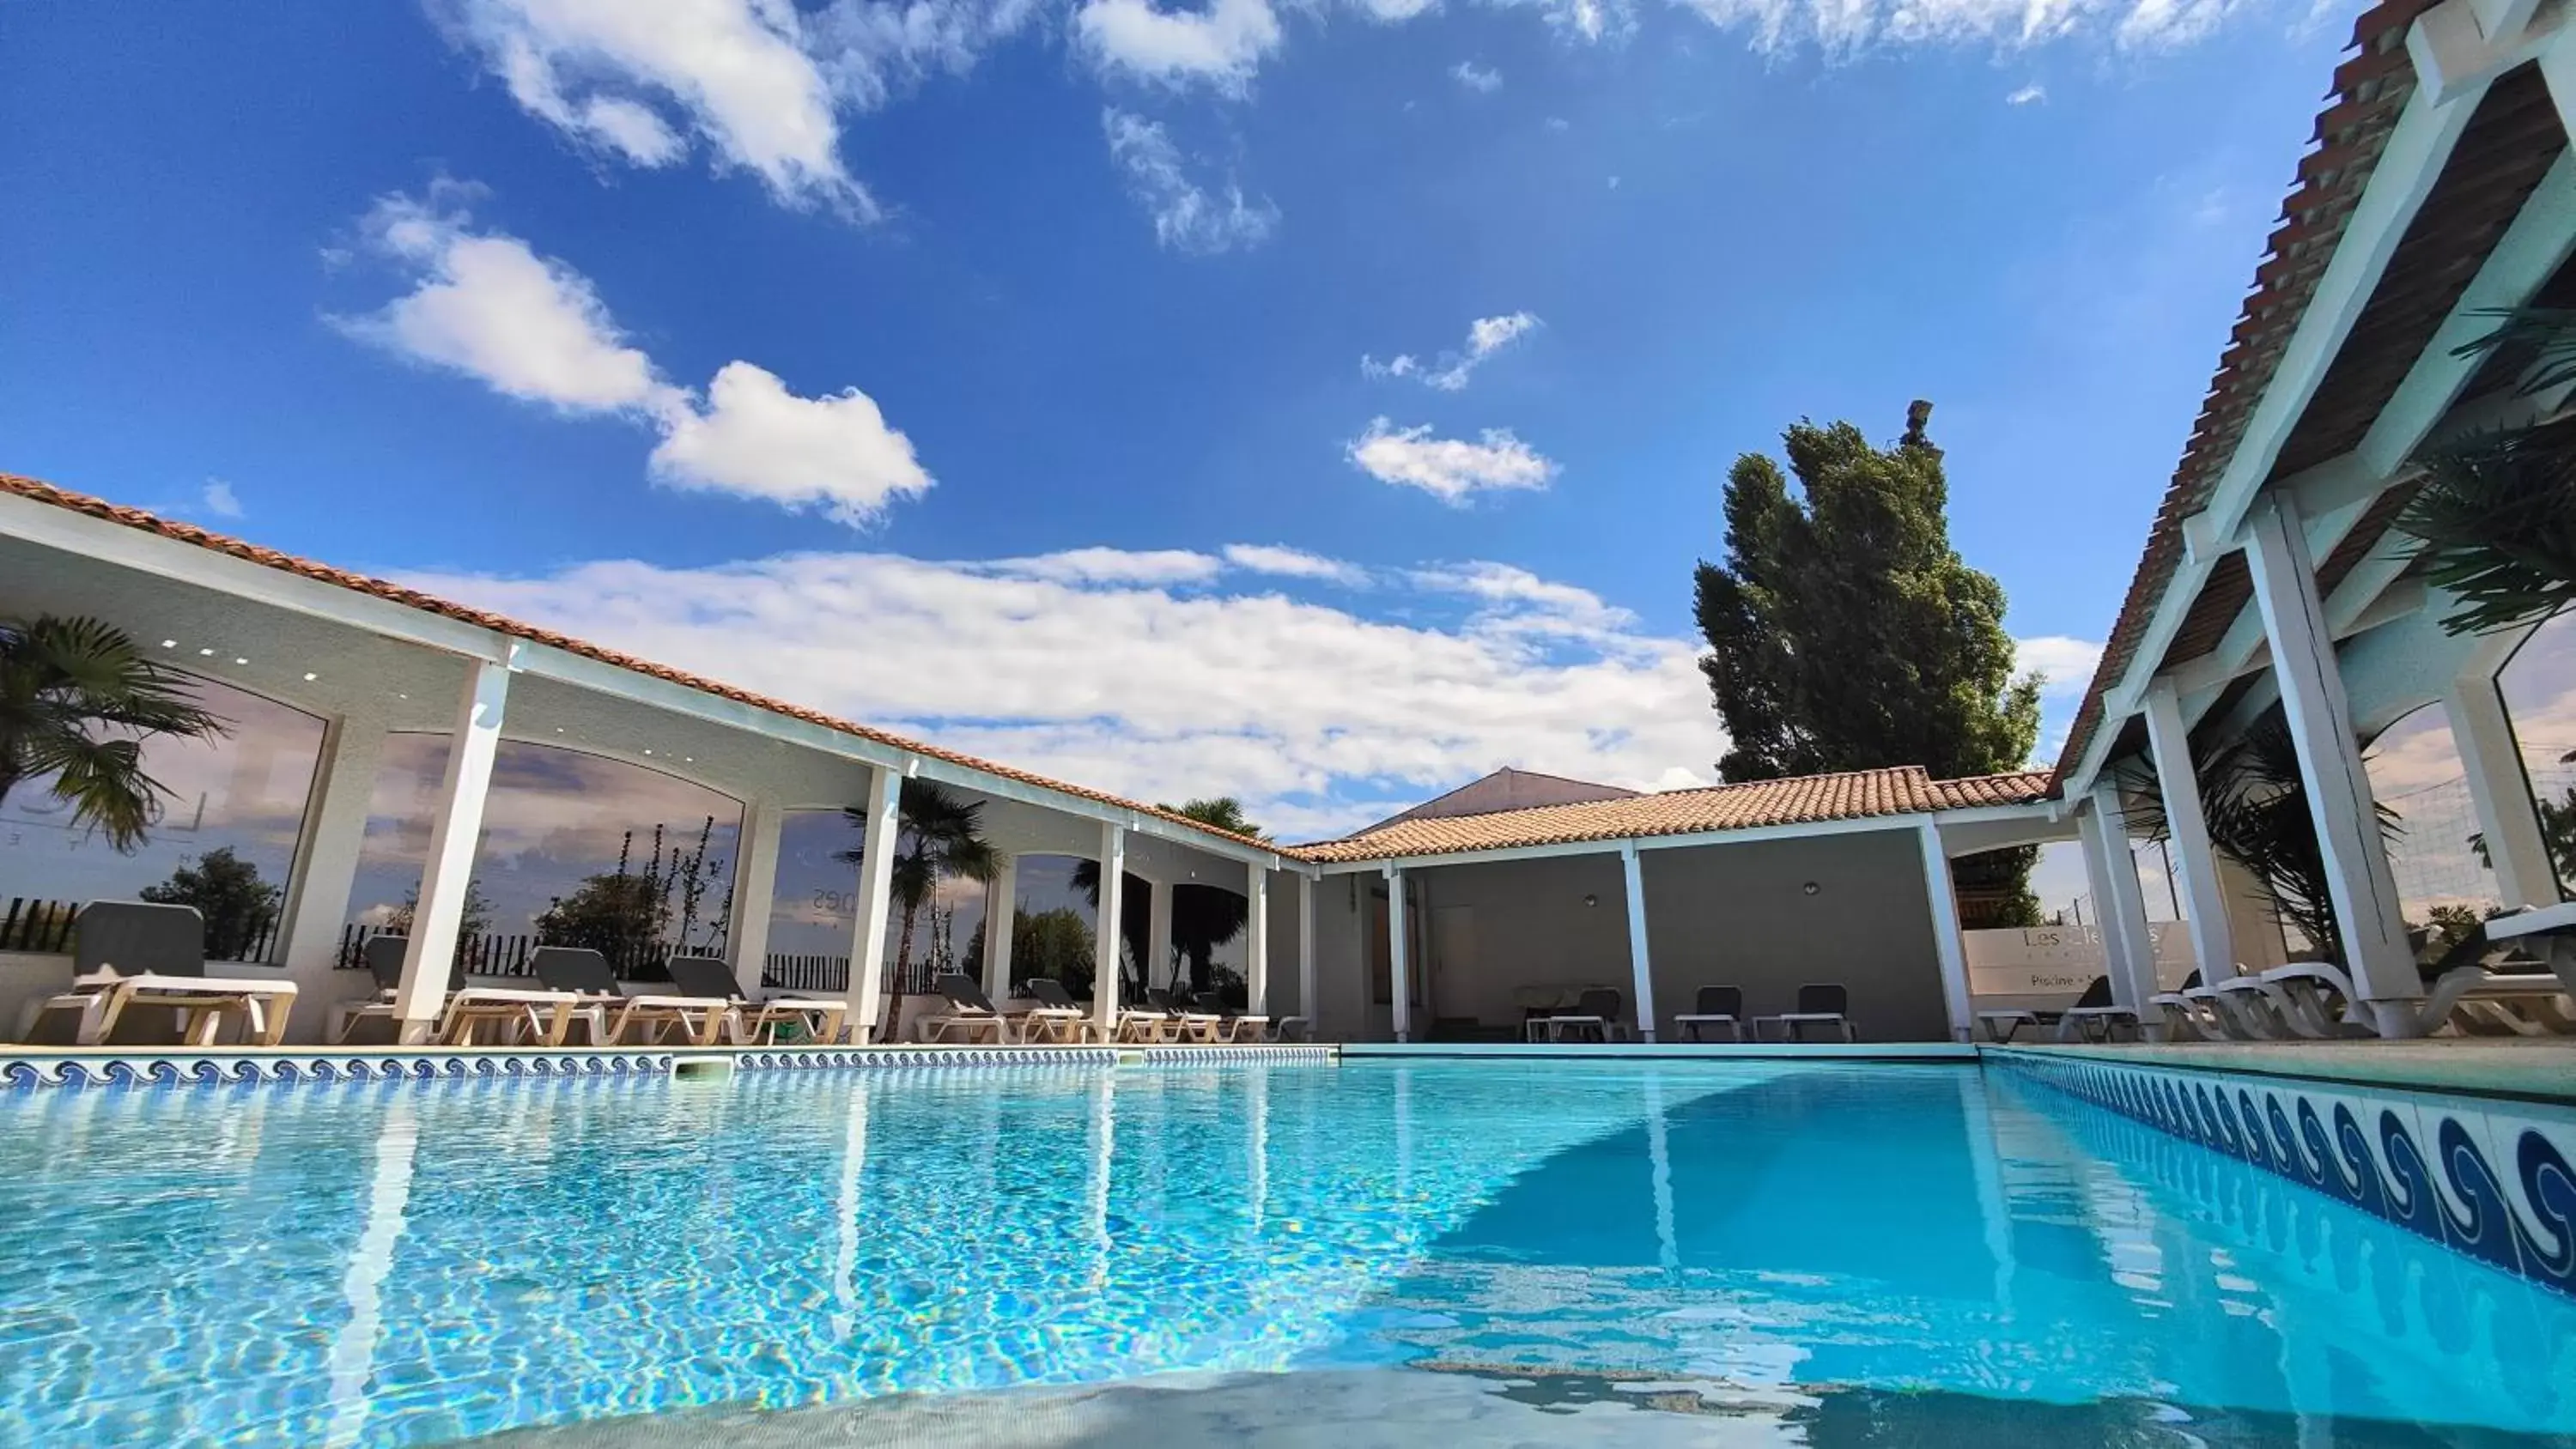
{"x": 220, "y": 1070}
{"x": 2487, "y": 1179}
{"x": 217, "y": 1069}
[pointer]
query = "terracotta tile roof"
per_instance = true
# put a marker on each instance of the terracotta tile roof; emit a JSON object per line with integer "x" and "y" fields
{"x": 1808, "y": 800}
{"x": 2369, "y": 91}
{"x": 136, "y": 518}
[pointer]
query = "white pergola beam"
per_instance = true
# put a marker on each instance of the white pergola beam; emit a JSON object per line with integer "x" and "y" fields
{"x": 2204, "y": 901}
{"x": 2117, "y": 900}
{"x": 2501, "y": 793}
{"x": 1307, "y": 1006}
{"x": 877, "y": 846}
{"x": 1399, "y": 986}
{"x": 1001, "y": 911}
{"x": 1104, "y": 942}
{"x": 1158, "y": 936}
{"x": 456, "y": 828}
{"x": 1949, "y": 949}
{"x": 1640, "y": 962}
{"x": 2361, "y": 886}
{"x": 1256, "y": 945}
{"x": 755, "y": 892}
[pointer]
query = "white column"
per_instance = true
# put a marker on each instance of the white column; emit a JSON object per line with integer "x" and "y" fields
{"x": 2502, "y": 793}
{"x": 1398, "y": 987}
{"x": 1158, "y": 937}
{"x": 453, "y": 833}
{"x": 1256, "y": 945}
{"x": 326, "y": 869}
{"x": 1948, "y": 950}
{"x": 1640, "y": 964}
{"x": 2196, "y": 887}
{"x": 2117, "y": 899}
{"x": 1307, "y": 1006}
{"x": 755, "y": 890}
{"x": 2364, "y": 892}
{"x": 1104, "y": 954}
{"x": 1001, "y": 906}
{"x": 876, "y": 897}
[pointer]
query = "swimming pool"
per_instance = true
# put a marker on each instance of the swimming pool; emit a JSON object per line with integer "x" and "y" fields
{"x": 1439, "y": 1252}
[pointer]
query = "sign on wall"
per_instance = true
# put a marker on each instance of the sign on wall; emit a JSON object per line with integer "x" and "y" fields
{"x": 2063, "y": 960}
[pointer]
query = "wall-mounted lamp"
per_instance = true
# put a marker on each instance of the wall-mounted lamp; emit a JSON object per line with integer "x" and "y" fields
{"x": 1810, "y": 888}
{"x": 1591, "y": 900}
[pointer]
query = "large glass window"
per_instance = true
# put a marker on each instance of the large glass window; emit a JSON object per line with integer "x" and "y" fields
{"x": 576, "y": 850}
{"x": 2538, "y": 686}
{"x": 2444, "y": 887}
{"x": 225, "y": 841}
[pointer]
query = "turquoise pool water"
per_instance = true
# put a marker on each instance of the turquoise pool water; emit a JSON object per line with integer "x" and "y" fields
{"x": 1831, "y": 1255}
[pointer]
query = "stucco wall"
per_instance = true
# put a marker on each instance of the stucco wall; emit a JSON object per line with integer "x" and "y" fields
{"x": 1716, "y": 915}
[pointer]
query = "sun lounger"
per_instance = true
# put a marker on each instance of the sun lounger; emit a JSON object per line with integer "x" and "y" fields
{"x": 613, "y": 1015}
{"x": 1233, "y": 1025}
{"x": 2094, "y": 1017}
{"x": 2170, "y": 1015}
{"x": 1820, "y": 1004}
{"x": 1595, "y": 1017}
{"x": 1057, "y": 1017}
{"x": 970, "y": 1013}
{"x": 133, "y": 958}
{"x": 541, "y": 1018}
{"x": 1187, "y": 1023}
{"x": 1717, "y": 1007}
{"x": 757, "y": 1022}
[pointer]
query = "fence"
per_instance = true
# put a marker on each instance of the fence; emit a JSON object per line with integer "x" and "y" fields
{"x": 42, "y": 927}
{"x": 826, "y": 974}
{"x": 501, "y": 954}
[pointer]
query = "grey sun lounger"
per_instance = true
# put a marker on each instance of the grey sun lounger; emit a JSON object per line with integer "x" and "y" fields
{"x": 1596, "y": 1010}
{"x": 1717, "y": 1006}
{"x": 1820, "y": 1003}
{"x": 971, "y": 1013}
{"x": 613, "y": 1014}
{"x": 1057, "y": 1017}
{"x": 135, "y": 956}
{"x": 757, "y": 1022}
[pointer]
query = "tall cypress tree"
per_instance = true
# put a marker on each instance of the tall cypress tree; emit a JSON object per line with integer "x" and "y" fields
{"x": 1846, "y": 634}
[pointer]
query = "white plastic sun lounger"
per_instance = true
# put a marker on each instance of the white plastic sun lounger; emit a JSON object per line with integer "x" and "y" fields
{"x": 135, "y": 955}
{"x": 756, "y": 1023}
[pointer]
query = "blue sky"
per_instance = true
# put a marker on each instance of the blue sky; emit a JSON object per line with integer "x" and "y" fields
{"x": 1027, "y": 375}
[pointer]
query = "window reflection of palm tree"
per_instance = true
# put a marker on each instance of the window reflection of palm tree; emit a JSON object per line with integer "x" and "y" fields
{"x": 1203, "y": 918}
{"x": 939, "y": 837}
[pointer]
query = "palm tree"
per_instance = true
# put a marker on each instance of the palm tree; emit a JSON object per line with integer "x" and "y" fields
{"x": 939, "y": 837}
{"x": 1203, "y": 917}
{"x": 78, "y": 701}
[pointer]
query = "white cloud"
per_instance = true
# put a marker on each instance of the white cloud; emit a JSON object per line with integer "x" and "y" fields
{"x": 1294, "y": 563}
{"x": 757, "y": 439}
{"x": 1844, "y": 28}
{"x": 219, "y": 499}
{"x": 2027, "y": 95}
{"x": 1113, "y": 566}
{"x": 2065, "y": 665}
{"x": 1449, "y": 469}
{"x": 1220, "y": 45}
{"x": 1477, "y": 78}
{"x": 623, "y": 77}
{"x": 1485, "y": 337}
{"x": 487, "y": 306}
{"x": 1187, "y": 217}
{"x": 875, "y": 50}
{"x": 1393, "y": 11}
{"x": 1318, "y": 718}
{"x": 1559, "y": 124}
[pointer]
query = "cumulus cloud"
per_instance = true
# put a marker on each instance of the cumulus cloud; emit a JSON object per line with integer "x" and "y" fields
{"x": 1089, "y": 666}
{"x": 1449, "y": 469}
{"x": 2028, "y": 95}
{"x": 1218, "y": 46}
{"x": 1485, "y": 337}
{"x": 1475, "y": 77}
{"x": 755, "y": 438}
{"x": 1294, "y": 563}
{"x": 1187, "y": 216}
{"x": 644, "y": 81}
{"x": 484, "y": 305}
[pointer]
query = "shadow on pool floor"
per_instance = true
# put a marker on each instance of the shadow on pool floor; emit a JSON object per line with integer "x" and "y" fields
{"x": 1472, "y": 1406}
